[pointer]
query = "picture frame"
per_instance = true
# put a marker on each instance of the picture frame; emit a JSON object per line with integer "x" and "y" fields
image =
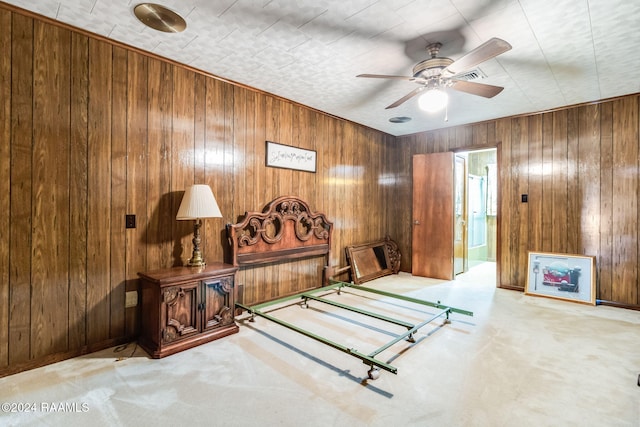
{"x": 562, "y": 276}
{"x": 368, "y": 261}
{"x": 288, "y": 157}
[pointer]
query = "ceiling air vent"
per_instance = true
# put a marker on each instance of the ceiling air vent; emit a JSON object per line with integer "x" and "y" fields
{"x": 475, "y": 74}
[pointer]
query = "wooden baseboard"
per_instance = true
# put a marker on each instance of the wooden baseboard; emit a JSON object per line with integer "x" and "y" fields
{"x": 59, "y": 357}
{"x": 618, "y": 304}
{"x": 598, "y": 302}
{"x": 511, "y": 288}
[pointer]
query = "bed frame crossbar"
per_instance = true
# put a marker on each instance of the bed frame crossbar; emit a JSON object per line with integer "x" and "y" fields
{"x": 368, "y": 359}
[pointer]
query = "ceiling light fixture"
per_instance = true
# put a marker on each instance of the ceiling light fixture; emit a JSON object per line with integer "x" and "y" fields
{"x": 401, "y": 119}
{"x": 433, "y": 100}
{"x": 159, "y": 18}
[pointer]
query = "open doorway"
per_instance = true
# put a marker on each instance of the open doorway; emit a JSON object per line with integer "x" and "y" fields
{"x": 441, "y": 211}
{"x": 481, "y": 209}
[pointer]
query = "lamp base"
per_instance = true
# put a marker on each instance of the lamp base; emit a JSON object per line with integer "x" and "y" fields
{"x": 196, "y": 261}
{"x": 196, "y": 257}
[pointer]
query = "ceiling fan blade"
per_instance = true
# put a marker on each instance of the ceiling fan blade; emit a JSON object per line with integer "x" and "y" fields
{"x": 406, "y": 97}
{"x": 480, "y": 89}
{"x": 384, "y": 76}
{"x": 487, "y": 50}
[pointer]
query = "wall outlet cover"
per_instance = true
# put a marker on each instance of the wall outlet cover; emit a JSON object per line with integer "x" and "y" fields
{"x": 130, "y": 299}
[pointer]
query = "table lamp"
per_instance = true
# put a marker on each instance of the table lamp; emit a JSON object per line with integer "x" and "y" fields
{"x": 197, "y": 203}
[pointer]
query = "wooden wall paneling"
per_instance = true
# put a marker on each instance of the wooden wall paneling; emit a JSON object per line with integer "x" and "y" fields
{"x": 136, "y": 197}
{"x": 364, "y": 181}
{"x": 375, "y": 179}
{"x": 295, "y": 138}
{"x": 559, "y": 196}
{"x": 547, "y": 182}
{"x": 228, "y": 165}
{"x": 159, "y": 209}
{"x": 238, "y": 148}
{"x": 254, "y": 277}
{"x": 5, "y": 180}
{"x": 329, "y": 196}
{"x": 348, "y": 192}
{"x": 298, "y": 274}
{"x": 308, "y": 129}
{"x": 462, "y": 137}
{"x": 441, "y": 141}
{"x": 573, "y": 179}
{"x": 324, "y": 165}
{"x": 589, "y": 184}
{"x": 405, "y": 227}
{"x": 21, "y": 189}
{"x": 211, "y": 228}
{"x": 250, "y": 143}
{"x": 605, "y": 261}
{"x": 272, "y": 133}
{"x": 253, "y": 161}
{"x": 118, "y": 184}
{"x": 50, "y": 248}
{"x": 199, "y": 125}
{"x": 625, "y": 200}
{"x": 508, "y": 198}
{"x": 99, "y": 169}
{"x": 182, "y": 159}
{"x": 369, "y": 182}
{"x": 520, "y": 179}
{"x": 338, "y": 205}
{"x": 536, "y": 201}
{"x": 78, "y": 191}
{"x": 214, "y": 159}
{"x": 288, "y": 279}
{"x": 479, "y": 135}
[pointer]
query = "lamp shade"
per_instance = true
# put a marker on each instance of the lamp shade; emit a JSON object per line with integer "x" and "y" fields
{"x": 198, "y": 202}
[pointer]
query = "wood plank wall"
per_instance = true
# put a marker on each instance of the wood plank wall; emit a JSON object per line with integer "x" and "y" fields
{"x": 579, "y": 167}
{"x": 91, "y": 131}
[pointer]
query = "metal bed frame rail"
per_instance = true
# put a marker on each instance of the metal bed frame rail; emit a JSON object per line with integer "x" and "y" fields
{"x": 368, "y": 359}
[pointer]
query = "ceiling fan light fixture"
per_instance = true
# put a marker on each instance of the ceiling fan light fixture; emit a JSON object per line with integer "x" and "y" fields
{"x": 433, "y": 100}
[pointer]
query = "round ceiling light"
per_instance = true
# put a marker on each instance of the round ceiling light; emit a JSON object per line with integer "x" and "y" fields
{"x": 159, "y": 18}
{"x": 433, "y": 100}
{"x": 401, "y": 119}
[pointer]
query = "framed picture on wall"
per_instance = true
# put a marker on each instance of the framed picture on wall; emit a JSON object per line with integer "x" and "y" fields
{"x": 288, "y": 157}
{"x": 562, "y": 276}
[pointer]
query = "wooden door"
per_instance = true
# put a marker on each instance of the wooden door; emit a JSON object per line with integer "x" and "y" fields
{"x": 180, "y": 317}
{"x": 460, "y": 263}
{"x": 218, "y": 302}
{"x": 433, "y": 236}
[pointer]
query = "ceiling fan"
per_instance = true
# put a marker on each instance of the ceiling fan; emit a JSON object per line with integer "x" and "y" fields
{"x": 437, "y": 73}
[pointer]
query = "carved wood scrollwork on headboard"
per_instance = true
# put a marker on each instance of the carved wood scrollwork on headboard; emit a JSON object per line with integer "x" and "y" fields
{"x": 285, "y": 229}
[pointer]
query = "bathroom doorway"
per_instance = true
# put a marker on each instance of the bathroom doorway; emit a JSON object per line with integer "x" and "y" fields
{"x": 481, "y": 206}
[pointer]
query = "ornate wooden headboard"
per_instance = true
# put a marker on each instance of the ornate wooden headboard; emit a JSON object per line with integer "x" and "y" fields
{"x": 286, "y": 229}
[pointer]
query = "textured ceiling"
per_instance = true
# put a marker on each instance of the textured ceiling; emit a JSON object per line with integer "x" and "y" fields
{"x": 564, "y": 52}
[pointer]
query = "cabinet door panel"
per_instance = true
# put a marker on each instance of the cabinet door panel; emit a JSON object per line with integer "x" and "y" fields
{"x": 218, "y": 302}
{"x": 180, "y": 314}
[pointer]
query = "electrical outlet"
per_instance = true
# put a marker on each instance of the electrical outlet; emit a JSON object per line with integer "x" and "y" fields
{"x": 130, "y": 221}
{"x": 524, "y": 198}
{"x": 130, "y": 299}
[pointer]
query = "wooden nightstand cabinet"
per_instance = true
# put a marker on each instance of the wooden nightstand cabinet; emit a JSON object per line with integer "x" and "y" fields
{"x": 184, "y": 307}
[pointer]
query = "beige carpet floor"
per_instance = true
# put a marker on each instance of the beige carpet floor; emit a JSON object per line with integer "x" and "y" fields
{"x": 519, "y": 361}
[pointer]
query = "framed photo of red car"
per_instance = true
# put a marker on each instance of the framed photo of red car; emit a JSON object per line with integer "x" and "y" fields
{"x": 562, "y": 276}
